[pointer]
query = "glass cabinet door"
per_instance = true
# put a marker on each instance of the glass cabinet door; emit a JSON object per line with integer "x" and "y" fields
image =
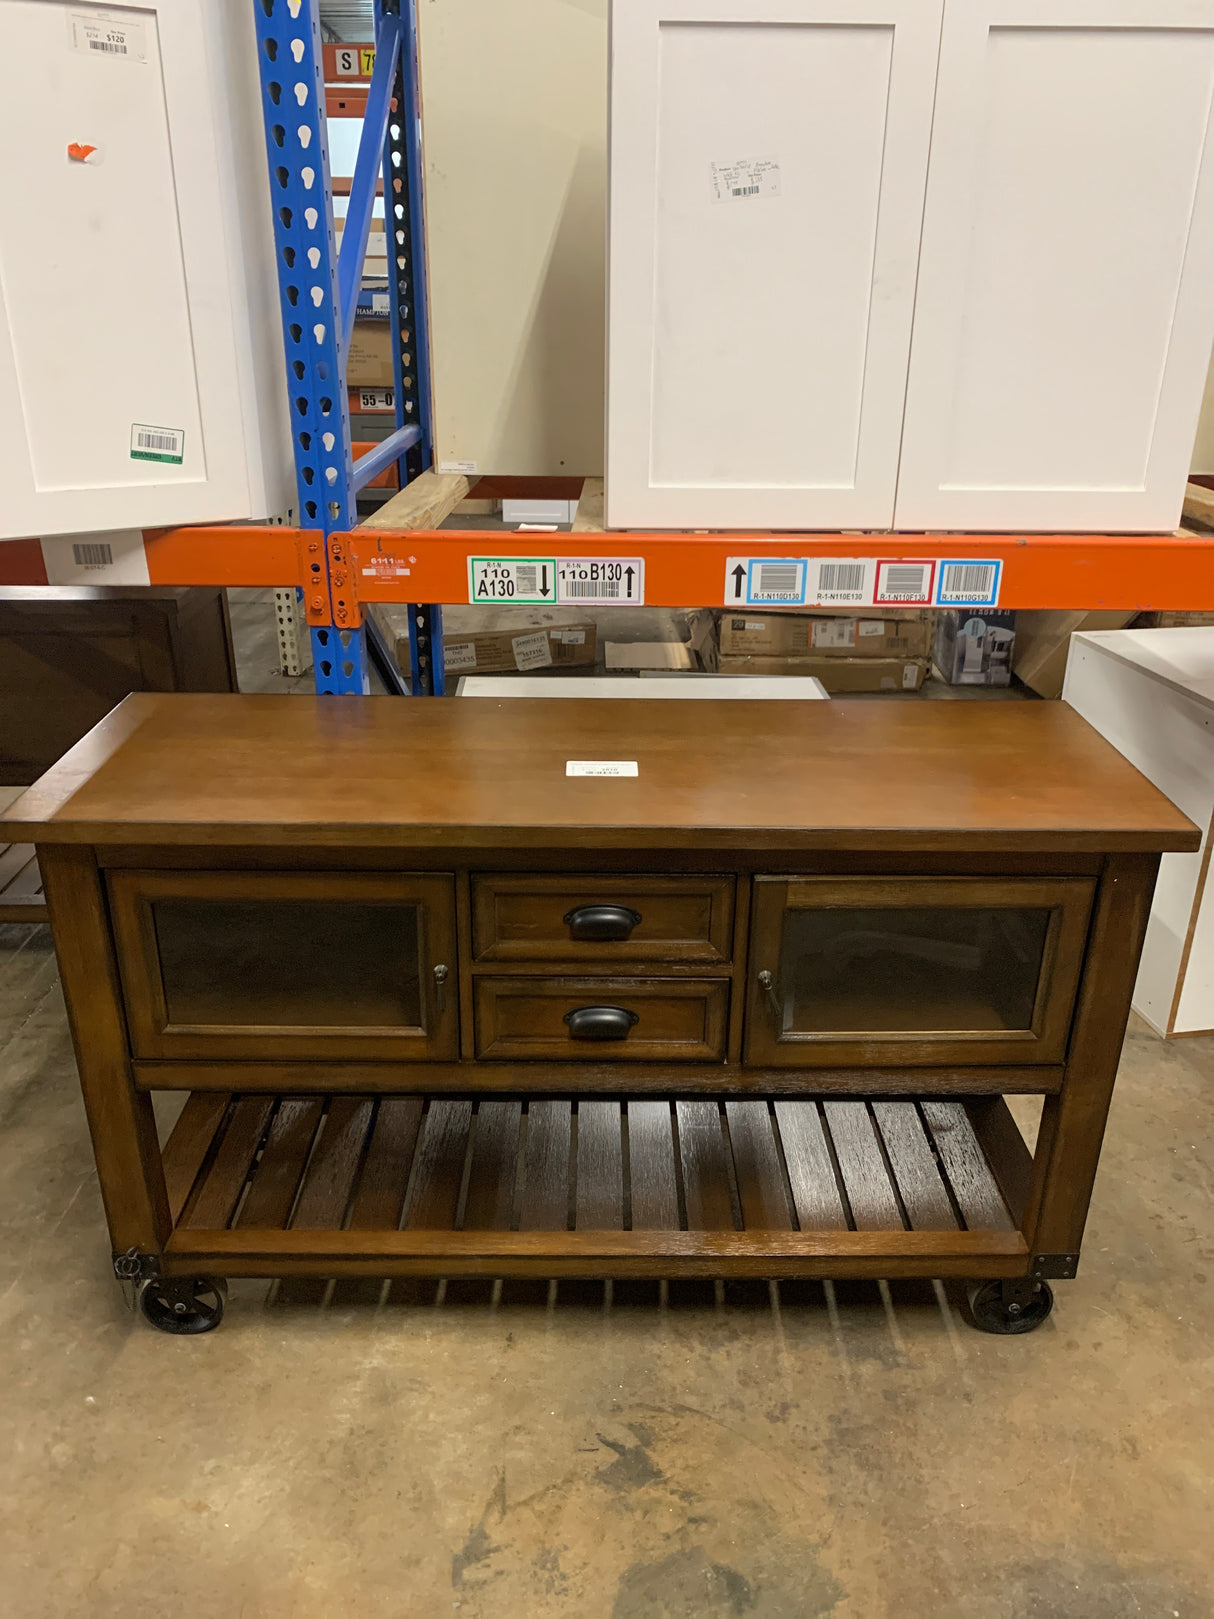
{"x": 267, "y": 965}
{"x": 914, "y": 970}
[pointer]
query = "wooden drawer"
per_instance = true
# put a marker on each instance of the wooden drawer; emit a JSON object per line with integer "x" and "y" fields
{"x": 553, "y": 919}
{"x": 675, "y": 1020}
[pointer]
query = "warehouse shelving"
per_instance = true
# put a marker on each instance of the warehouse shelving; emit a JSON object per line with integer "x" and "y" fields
{"x": 341, "y": 568}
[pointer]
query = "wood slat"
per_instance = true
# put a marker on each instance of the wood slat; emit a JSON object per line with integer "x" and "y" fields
{"x": 385, "y": 1174}
{"x": 756, "y": 1162}
{"x": 600, "y": 1167}
{"x": 26, "y": 886}
{"x": 491, "y": 1179}
{"x": 865, "y": 1178}
{"x": 281, "y": 1165}
{"x": 811, "y": 1174}
{"x": 653, "y": 1190}
{"x": 14, "y": 857}
{"x": 186, "y": 1149}
{"x": 705, "y": 1168}
{"x": 219, "y": 1192}
{"x": 923, "y": 1192}
{"x": 545, "y": 1199}
{"x": 439, "y": 1171}
{"x": 334, "y": 1165}
{"x": 978, "y": 1197}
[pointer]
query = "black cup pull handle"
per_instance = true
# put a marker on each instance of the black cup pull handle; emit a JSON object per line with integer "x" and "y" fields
{"x": 601, "y": 923}
{"x": 600, "y": 1022}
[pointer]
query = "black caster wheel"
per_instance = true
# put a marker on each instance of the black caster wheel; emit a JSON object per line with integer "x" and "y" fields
{"x": 184, "y": 1305}
{"x": 1011, "y": 1308}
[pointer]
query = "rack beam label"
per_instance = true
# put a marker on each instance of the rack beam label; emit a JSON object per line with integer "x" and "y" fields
{"x": 572, "y": 581}
{"x": 843, "y": 582}
{"x": 525, "y": 581}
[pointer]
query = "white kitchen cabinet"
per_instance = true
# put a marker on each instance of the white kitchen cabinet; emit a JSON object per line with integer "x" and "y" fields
{"x": 767, "y": 179}
{"x": 142, "y": 379}
{"x": 760, "y": 346}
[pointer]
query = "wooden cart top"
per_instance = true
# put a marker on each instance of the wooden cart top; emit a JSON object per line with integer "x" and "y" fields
{"x": 484, "y": 773}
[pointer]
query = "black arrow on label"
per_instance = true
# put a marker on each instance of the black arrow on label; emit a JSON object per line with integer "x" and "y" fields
{"x": 628, "y": 573}
{"x": 544, "y": 580}
{"x": 738, "y": 575}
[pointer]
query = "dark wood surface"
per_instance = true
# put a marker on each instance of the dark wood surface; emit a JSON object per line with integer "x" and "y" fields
{"x": 678, "y": 1020}
{"x": 501, "y": 1185}
{"x": 485, "y": 773}
{"x": 69, "y": 653}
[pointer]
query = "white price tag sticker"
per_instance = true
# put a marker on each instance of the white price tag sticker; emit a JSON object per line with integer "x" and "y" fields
{"x": 601, "y": 767}
{"x": 744, "y": 178}
{"x": 108, "y": 36}
{"x": 528, "y": 581}
{"x": 532, "y": 651}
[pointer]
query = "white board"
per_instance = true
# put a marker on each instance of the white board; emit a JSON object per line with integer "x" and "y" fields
{"x": 1066, "y": 292}
{"x": 142, "y": 378}
{"x": 766, "y": 190}
{"x": 514, "y": 114}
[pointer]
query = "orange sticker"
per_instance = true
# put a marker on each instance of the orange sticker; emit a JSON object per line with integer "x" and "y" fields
{"x": 79, "y": 153}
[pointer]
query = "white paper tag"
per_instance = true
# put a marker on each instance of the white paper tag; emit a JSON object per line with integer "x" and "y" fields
{"x": 113, "y": 557}
{"x": 375, "y": 399}
{"x": 468, "y": 468}
{"x": 532, "y": 651}
{"x": 380, "y": 304}
{"x": 601, "y": 767}
{"x": 461, "y": 656}
{"x": 111, "y": 36}
{"x": 527, "y": 580}
{"x": 744, "y": 178}
{"x": 573, "y": 637}
{"x": 910, "y": 676}
{"x": 871, "y": 626}
{"x": 601, "y": 581}
{"x": 833, "y": 632}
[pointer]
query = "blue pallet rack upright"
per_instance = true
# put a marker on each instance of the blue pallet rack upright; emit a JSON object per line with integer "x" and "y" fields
{"x": 319, "y": 291}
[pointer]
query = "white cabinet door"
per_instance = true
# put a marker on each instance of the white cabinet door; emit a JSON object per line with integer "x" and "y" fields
{"x": 767, "y": 179}
{"x": 142, "y": 378}
{"x": 1065, "y": 307}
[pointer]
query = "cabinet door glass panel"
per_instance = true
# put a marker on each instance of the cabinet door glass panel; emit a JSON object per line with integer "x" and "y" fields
{"x": 911, "y": 969}
{"x": 289, "y": 963}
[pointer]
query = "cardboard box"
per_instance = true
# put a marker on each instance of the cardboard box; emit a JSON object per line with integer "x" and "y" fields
{"x": 620, "y": 656}
{"x": 514, "y": 638}
{"x": 370, "y": 361}
{"x": 1043, "y": 641}
{"x": 974, "y": 646}
{"x": 839, "y": 675}
{"x": 826, "y": 635}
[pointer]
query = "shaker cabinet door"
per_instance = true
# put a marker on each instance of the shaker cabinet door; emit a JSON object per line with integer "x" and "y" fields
{"x": 249, "y": 965}
{"x": 913, "y": 971}
{"x": 1065, "y": 303}
{"x": 767, "y": 171}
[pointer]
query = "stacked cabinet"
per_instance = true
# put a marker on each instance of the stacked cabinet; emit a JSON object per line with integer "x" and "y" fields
{"x": 908, "y": 263}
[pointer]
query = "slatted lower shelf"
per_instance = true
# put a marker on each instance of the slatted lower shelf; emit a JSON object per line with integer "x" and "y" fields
{"x": 264, "y": 1185}
{"x": 21, "y": 898}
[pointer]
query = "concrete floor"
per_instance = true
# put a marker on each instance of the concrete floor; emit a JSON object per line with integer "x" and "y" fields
{"x": 779, "y": 1453}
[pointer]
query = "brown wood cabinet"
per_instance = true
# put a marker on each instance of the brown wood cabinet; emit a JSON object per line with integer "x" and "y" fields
{"x": 441, "y": 1007}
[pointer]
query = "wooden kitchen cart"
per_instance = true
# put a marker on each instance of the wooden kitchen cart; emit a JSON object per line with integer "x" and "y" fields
{"x": 749, "y": 1006}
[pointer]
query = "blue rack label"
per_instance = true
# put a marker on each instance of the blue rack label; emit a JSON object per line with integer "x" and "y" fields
{"x": 157, "y": 443}
{"x": 964, "y": 582}
{"x": 765, "y": 581}
{"x": 524, "y": 581}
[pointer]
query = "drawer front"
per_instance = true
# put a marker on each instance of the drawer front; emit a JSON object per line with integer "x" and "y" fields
{"x": 602, "y": 1019}
{"x": 249, "y": 966}
{"x": 913, "y": 971}
{"x": 598, "y": 919}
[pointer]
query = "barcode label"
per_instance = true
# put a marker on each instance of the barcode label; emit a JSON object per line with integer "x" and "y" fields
{"x": 777, "y": 578}
{"x": 905, "y": 582}
{"x": 99, "y": 555}
{"x": 969, "y": 584}
{"x": 157, "y": 443}
{"x": 764, "y": 581}
{"x": 745, "y": 177}
{"x": 100, "y": 33}
{"x": 592, "y": 590}
{"x": 845, "y": 576}
{"x": 608, "y": 581}
{"x": 523, "y": 580}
